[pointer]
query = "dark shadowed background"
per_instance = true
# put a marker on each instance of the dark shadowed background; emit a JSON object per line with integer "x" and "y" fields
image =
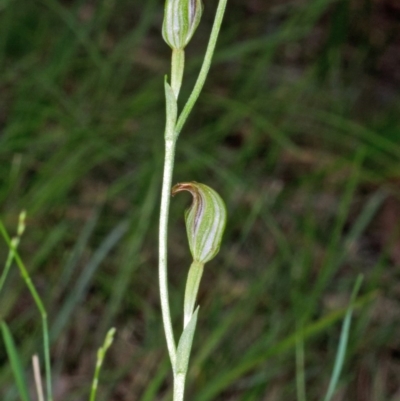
{"x": 298, "y": 129}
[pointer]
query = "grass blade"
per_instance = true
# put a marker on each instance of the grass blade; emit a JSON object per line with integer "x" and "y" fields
{"x": 83, "y": 282}
{"x": 254, "y": 360}
{"x": 15, "y": 362}
{"x": 300, "y": 376}
{"x": 344, "y": 337}
{"x": 39, "y": 304}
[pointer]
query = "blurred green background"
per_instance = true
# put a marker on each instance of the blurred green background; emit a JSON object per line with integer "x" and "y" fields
{"x": 297, "y": 128}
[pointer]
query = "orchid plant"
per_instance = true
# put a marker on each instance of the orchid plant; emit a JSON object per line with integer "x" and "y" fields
{"x": 205, "y": 223}
{"x": 206, "y": 218}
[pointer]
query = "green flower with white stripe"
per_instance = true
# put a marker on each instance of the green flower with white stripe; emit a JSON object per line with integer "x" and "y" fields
{"x": 205, "y": 220}
{"x": 181, "y": 20}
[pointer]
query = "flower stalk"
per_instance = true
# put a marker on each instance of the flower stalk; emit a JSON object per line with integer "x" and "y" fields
{"x": 180, "y": 22}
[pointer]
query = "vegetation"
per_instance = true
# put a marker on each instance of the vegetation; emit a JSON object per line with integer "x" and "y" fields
{"x": 297, "y": 127}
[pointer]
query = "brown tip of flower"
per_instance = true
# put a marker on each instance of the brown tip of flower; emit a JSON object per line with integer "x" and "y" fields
{"x": 184, "y": 186}
{"x": 205, "y": 220}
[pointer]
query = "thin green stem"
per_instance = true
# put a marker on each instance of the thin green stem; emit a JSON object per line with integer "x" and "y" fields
{"x": 171, "y": 133}
{"x": 177, "y": 68}
{"x": 163, "y": 235}
{"x": 39, "y": 305}
{"x": 14, "y": 242}
{"x": 179, "y": 386}
{"x": 47, "y": 364}
{"x": 204, "y": 68}
{"x": 170, "y": 142}
{"x": 10, "y": 257}
{"x": 101, "y": 353}
{"x": 344, "y": 338}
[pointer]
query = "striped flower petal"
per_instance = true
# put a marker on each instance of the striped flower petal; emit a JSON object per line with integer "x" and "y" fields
{"x": 181, "y": 19}
{"x": 205, "y": 220}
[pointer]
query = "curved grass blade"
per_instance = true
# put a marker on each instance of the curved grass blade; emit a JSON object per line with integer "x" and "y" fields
{"x": 15, "y": 362}
{"x": 344, "y": 337}
{"x": 79, "y": 289}
{"x": 252, "y": 360}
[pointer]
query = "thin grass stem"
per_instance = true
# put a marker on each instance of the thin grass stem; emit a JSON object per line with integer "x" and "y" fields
{"x": 10, "y": 257}
{"x": 300, "y": 376}
{"x": 15, "y": 242}
{"x": 101, "y": 353}
{"x": 38, "y": 377}
{"x": 39, "y": 305}
{"x": 344, "y": 338}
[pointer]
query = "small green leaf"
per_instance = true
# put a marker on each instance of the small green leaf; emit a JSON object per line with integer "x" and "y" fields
{"x": 185, "y": 345}
{"x": 15, "y": 362}
{"x": 181, "y": 19}
{"x": 192, "y": 288}
{"x": 205, "y": 220}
